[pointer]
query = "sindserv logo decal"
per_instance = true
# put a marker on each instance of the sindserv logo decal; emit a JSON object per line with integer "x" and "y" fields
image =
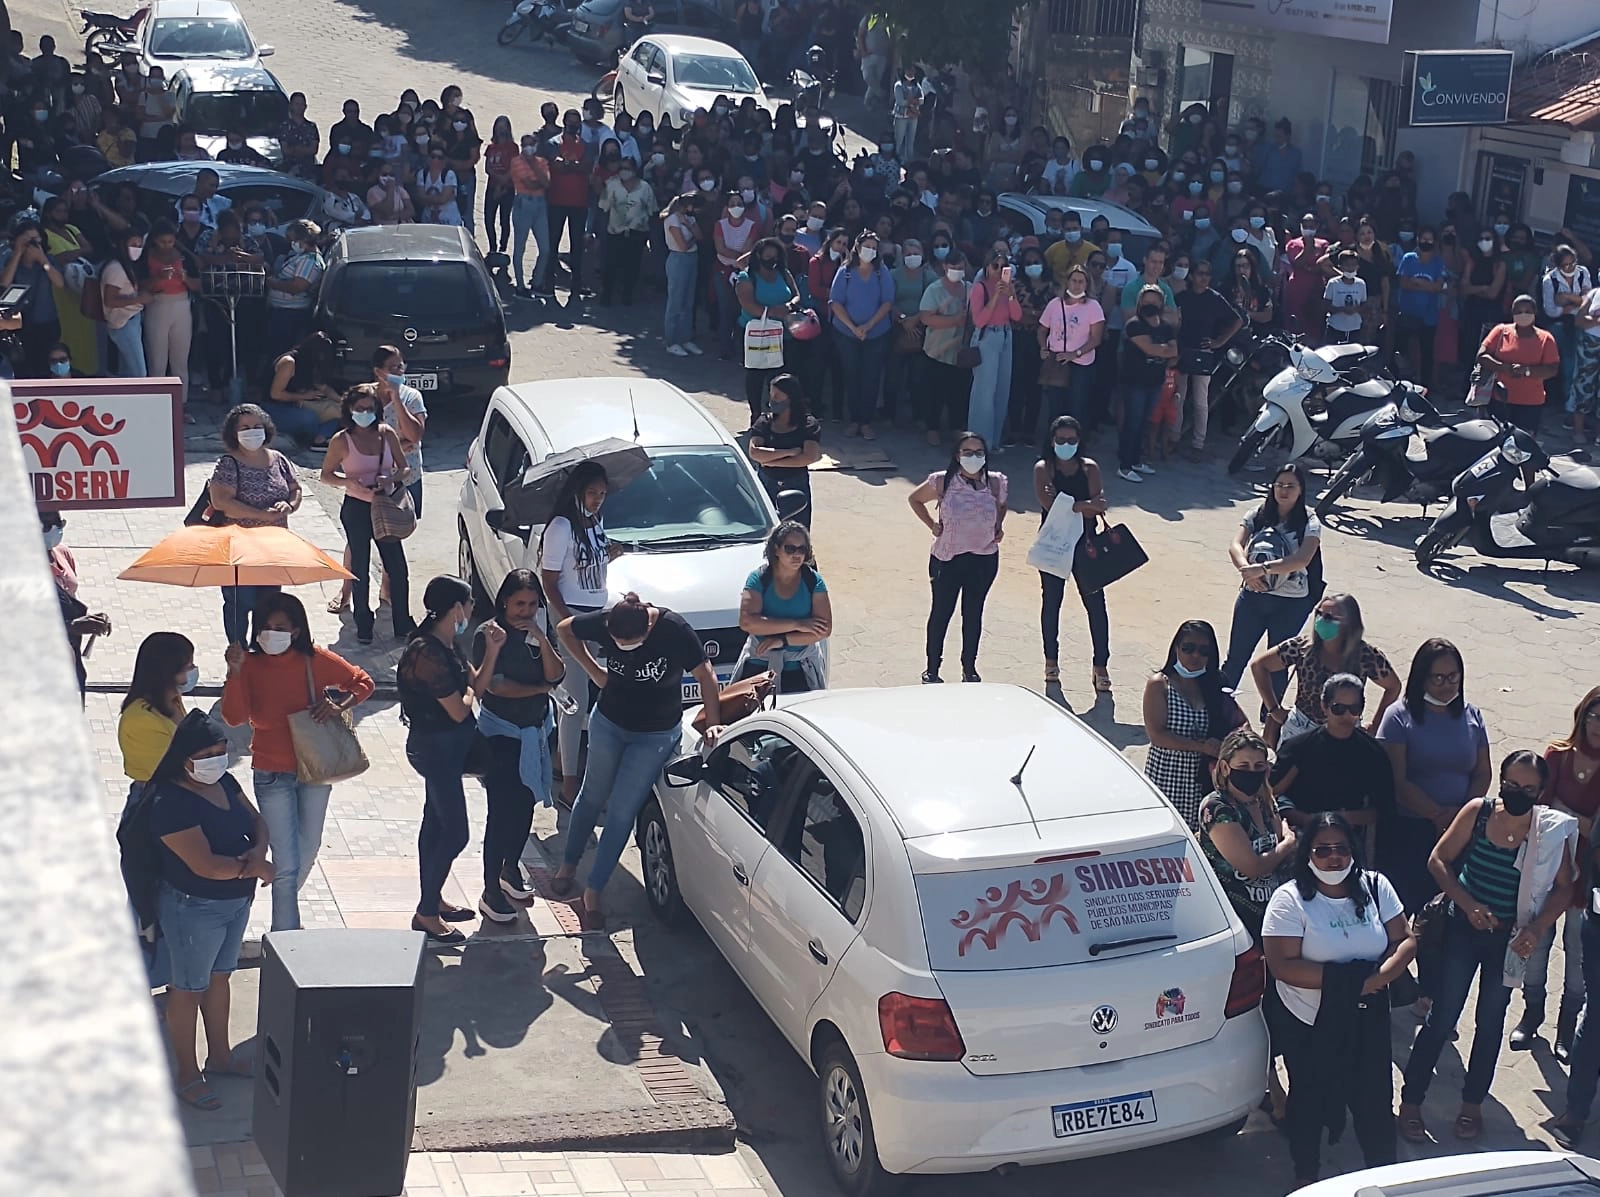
{"x": 76, "y": 461}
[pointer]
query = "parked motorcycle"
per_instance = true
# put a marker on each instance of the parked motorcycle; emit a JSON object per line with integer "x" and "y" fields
{"x": 1318, "y": 402}
{"x": 1410, "y": 448}
{"x": 817, "y": 94}
{"x": 110, "y": 35}
{"x": 1242, "y": 372}
{"x": 540, "y": 18}
{"x": 1559, "y": 518}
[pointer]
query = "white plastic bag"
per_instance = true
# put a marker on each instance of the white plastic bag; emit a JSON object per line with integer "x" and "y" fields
{"x": 763, "y": 343}
{"x": 1057, "y": 542}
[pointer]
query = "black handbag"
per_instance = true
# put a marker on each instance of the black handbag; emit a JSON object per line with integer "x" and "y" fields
{"x": 202, "y": 512}
{"x": 1106, "y": 555}
{"x": 1197, "y": 361}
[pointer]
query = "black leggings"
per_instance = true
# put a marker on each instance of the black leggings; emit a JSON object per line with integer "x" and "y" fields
{"x": 510, "y": 816}
{"x": 1094, "y": 602}
{"x": 967, "y": 576}
{"x": 576, "y": 221}
{"x": 1408, "y": 329}
{"x": 945, "y": 392}
{"x": 356, "y": 516}
{"x": 497, "y": 203}
{"x": 1370, "y": 1083}
{"x": 620, "y": 271}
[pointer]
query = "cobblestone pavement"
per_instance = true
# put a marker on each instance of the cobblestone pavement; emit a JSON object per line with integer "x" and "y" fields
{"x": 1527, "y": 634}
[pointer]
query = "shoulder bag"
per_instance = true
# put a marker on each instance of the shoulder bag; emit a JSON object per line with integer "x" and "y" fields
{"x": 1106, "y": 554}
{"x": 202, "y": 512}
{"x": 394, "y": 516}
{"x": 1427, "y": 925}
{"x": 739, "y": 700}
{"x": 1051, "y": 372}
{"x": 969, "y": 356}
{"x": 328, "y": 751}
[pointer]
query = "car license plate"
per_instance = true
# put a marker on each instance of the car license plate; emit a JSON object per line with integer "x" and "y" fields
{"x": 691, "y": 688}
{"x": 423, "y": 382}
{"x": 580, "y": 26}
{"x": 1105, "y": 1113}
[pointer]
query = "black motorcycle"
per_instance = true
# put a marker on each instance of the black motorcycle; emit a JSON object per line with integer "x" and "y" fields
{"x": 1559, "y": 518}
{"x": 1409, "y": 447}
{"x": 541, "y": 18}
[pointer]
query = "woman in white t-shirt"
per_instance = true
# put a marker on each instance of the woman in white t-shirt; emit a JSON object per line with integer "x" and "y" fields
{"x": 1334, "y": 913}
{"x": 1280, "y": 572}
{"x": 574, "y": 555}
{"x": 124, "y": 306}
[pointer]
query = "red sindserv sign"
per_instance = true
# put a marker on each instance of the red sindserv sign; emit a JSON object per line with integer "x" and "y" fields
{"x": 101, "y": 443}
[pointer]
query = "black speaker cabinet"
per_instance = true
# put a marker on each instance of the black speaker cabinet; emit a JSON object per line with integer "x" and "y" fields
{"x": 336, "y": 1097}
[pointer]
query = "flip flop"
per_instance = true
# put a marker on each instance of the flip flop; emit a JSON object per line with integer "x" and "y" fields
{"x": 240, "y": 1068}
{"x": 205, "y": 1101}
{"x": 339, "y": 604}
{"x": 1412, "y": 1129}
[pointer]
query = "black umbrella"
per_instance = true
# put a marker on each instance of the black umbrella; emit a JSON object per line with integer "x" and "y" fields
{"x": 532, "y": 501}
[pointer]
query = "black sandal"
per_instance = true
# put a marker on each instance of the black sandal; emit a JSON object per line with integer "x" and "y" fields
{"x": 449, "y": 935}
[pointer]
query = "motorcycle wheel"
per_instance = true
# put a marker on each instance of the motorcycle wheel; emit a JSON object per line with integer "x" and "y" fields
{"x": 1349, "y": 473}
{"x": 1441, "y": 537}
{"x": 1249, "y": 445}
{"x": 509, "y": 33}
{"x": 603, "y": 90}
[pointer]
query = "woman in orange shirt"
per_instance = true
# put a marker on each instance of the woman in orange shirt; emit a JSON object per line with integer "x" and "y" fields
{"x": 281, "y": 674}
{"x": 1522, "y": 356}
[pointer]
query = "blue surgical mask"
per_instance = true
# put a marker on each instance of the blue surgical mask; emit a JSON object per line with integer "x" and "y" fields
{"x": 1033, "y": 269}
{"x": 363, "y": 419}
{"x": 1066, "y": 452}
{"x": 1196, "y": 187}
{"x": 1074, "y": 236}
{"x": 1191, "y": 674}
{"x": 941, "y": 252}
{"x": 1407, "y": 236}
{"x": 1217, "y": 176}
{"x": 1260, "y": 222}
{"x": 190, "y": 680}
{"x": 395, "y": 380}
{"x": 1202, "y": 222}
{"x": 61, "y": 369}
{"x": 461, "y": 627}
{"x": 1114, "y": 249}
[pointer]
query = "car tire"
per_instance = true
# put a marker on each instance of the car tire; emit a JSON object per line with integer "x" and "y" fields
{"x": 846, "y": 1127}
{"x": 482, "y": 604}
{"x": 618, "y": 102}
{"x": 655, "y": 860}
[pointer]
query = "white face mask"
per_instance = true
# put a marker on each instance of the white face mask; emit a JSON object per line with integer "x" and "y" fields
{"x": 814, "y": 223}
{"x": 1439, "y": 702}
{"x": 190, "y": 680}
{"x": 208, "y": 770}
{"x": 972, "y": 463}
{"x": 52, "y": 536}
{"x": 867, "y": 253}
{"x": 628, "y": 648}
{"x": 134, "y": 252}
{"x": 252, "y": 438}
{"x": 1485, "y": 244}
{"x": 1075, "y": 292}
{"x": 913, "y": 261}
{"x": 1180, "y": 273}
{"x": 955, "y": 274}
{"x": 1332, "y": 876}
{"x": 273, "y": 642}
{"x": 736, "y": 212}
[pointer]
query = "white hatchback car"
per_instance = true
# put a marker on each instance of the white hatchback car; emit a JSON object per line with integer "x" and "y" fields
{"x": 672, "y": 75}
{"x": 991, "y": 937}
{"x": 196, "y": 33}
{"x": 1473, "y": 1174}
{"x": 696, "y": 522}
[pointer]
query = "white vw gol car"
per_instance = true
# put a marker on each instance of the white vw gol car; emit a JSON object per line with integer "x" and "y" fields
{"x": 991, "y": 938}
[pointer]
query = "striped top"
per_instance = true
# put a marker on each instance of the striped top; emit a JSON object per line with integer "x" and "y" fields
{"x": 1489, "y": 872}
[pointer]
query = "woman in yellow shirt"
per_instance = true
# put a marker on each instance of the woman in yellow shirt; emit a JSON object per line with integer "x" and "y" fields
{"x": 163, "y": 672}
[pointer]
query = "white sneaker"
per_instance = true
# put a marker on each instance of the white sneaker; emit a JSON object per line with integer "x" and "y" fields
{"x": 1145, "y": 468}
{"x": 1129, "y": 476}
{"x": 693, "y": 348}
{"x": 677, "y": 351}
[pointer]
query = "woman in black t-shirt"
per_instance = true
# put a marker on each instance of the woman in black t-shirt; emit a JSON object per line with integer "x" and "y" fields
{"x": 785, "y": 441}
{"x": 514, "y": 720}
{"x": 635, "y": 727}
{"x": 1147, "y": 351}
{"x": 436, "y": 689}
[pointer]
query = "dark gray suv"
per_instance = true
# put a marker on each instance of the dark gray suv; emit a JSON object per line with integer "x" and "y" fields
{"x": 597, "y": 36}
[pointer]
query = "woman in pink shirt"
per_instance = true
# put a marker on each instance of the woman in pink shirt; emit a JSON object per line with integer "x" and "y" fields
{"x": 1070, "y": 329}
{"x": 992, "y": 304}
{"x": 966, "y": 547}
{"x": 1303, "y": 281}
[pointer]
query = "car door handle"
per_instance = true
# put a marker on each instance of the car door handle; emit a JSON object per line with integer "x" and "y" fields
{"x": 817, "y": 953}
{"x": 740, "y": 876}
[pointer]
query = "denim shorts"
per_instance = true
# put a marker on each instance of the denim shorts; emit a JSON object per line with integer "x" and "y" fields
{"x": 202, "y": 935}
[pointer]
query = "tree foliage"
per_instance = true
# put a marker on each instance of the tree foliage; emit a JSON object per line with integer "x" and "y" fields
{"x": 974, "y": 34}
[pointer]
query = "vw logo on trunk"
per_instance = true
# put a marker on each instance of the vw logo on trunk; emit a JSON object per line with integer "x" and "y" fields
{"x": 1104, "y": 1020}
{"x": 410, "y": 334}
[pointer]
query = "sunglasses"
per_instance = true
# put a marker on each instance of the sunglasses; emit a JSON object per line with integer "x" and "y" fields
{"x": 1346, "y": 708}
{"x": 1190, "y": 647}
{"x": 1071, "y": 440}
{"x": 1324, "y": 851}
{"x": 795, "y": 550}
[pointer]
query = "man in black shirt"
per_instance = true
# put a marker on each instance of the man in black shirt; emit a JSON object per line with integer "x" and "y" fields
{"x": 1206, "y": 322}
{"x": 1337, "y": 767}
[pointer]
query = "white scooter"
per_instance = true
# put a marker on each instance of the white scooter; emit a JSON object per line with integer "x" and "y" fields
{"x": 1322, "y": 398}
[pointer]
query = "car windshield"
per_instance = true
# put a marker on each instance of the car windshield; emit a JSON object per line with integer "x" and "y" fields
{"x": 688, "y": 495}
{"x": 730, "y": 75}
{"x": 252, "y": 112}
{"x": 433, "y": 293}
{"x": 199, "y": 37}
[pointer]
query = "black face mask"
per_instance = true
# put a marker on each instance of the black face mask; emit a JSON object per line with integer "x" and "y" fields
{"x": 1247, "y": 783}
{"x": 1516, "y": 801}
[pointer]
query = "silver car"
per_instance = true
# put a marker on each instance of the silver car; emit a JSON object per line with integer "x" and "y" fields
{"x": 671, "y": 75}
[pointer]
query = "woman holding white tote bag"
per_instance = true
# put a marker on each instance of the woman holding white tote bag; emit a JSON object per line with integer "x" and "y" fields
{"x": 1062, "y": 471}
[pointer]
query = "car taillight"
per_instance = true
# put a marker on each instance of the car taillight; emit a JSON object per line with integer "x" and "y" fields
{"x": 917, "y": 1028}
{"x": 499, "y": 363}
{"x": 1248, "y": 984}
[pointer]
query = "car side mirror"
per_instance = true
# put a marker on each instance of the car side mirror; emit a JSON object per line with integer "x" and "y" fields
{"x": 656, "y": 80}
{"x": 496, "y": 519}
{"x": 685, "y": 771}
{"x": 266, "y": 51}
{"x": 792, "y": 504}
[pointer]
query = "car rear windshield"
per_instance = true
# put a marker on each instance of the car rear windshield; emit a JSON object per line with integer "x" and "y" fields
{"x": 731, "y": 75}
{"x": 438, "y": 293}
{"x": 253, "y": 113}
{"x": 1067, "y": 911}
{"x": 688, "y": 495}
{"x": 199, "y": 37}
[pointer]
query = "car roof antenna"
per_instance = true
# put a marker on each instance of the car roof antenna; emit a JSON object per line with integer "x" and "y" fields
{"x": 1016, "y": 780}
{"x": 632, "y": 408}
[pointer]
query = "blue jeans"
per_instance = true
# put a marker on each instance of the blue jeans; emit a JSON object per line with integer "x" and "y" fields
{"x": 300, "y": 422}
{"x": 129, "y": 340}
{"x": 1256, "y": 614}
{"x": 1138, "y": 404}
{"x": 202, "y": 935}
{"x": 991, "y": 385}
{"x": 863, "y": 373}
{"x": 682, "y": 272}
{"x": 466, "y": 190}
{"x": 622, "y": 767}
{"x": 1465, "y": 953}
{"x": 1075, "y": 399}
{"x": 295, "y": 812}
{"x": 1567, "y": 345}
{"x": 1584, "y": 1069}
{"x": 238, "y": 604}
{"x": 530, "y": 214}
{"x": 439, "y": 758}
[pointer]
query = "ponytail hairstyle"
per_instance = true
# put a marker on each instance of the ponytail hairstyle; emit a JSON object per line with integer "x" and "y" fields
{"x": 442, "y": 593}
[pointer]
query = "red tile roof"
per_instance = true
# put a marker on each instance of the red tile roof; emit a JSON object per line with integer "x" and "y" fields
{"x": 1562, "y": 88}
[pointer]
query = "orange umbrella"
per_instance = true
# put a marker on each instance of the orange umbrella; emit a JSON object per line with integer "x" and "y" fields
{"x": 233, "y": 556}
